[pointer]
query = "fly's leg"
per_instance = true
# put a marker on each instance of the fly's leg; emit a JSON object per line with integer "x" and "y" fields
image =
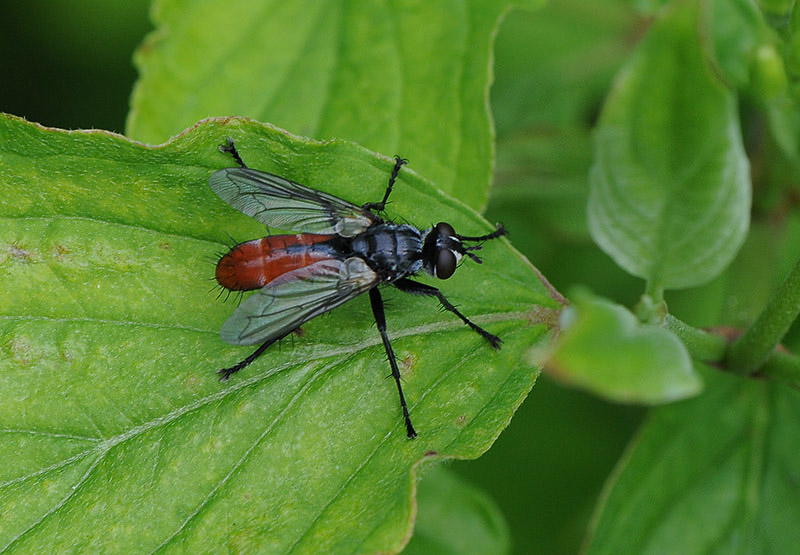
{"x": 415, "y": 288}
{"x": 379, "y": 206}
{"x": 498, "y": 232}
{"x": 380, "y": 319}
{"x": 226, "y": 373}
{"x": 230, "y": 148}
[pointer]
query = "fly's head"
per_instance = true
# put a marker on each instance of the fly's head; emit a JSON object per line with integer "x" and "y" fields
{"x": 443, "y": 248}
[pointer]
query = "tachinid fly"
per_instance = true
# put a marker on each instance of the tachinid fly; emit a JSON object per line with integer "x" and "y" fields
{"x": 342, "y": 251}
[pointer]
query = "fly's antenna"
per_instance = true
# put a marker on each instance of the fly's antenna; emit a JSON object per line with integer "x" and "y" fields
{"x": 474, "y": 258}
{"x": 467, "y": 251}
{"x": 454, "y": 244}
{"x": 499, "y": 232}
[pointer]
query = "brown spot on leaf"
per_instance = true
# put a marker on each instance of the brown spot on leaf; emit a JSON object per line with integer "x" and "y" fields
{"x": 20, "y": 253}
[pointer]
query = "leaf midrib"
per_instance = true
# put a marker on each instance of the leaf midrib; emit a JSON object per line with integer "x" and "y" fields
{"x": 305, "y": 354}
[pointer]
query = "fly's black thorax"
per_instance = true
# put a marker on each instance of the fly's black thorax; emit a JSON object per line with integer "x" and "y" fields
{"x": 393, "y": 251}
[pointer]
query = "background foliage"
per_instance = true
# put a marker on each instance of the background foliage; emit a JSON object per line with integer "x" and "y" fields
{"x": 557, "y": 69}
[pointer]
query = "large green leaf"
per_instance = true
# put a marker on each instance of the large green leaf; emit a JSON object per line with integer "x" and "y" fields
{"x": 716, "y": 474}
{"x": 670, "y": 193}
{"x": 115, "y": 429}
{"x": 397, "y": 77}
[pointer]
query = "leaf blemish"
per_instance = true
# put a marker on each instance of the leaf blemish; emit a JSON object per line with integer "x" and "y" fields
{"x": 19, "y": 347}
{"x": 19, "y": 253}
{"x": 59, "y": 252}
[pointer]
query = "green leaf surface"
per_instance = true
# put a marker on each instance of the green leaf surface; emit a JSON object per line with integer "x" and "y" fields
{"x": 715, "y": 474}
{"x": 121, "y": 433}
{"x": 605, "y": 349}
{"x": 455, "y": 518}
{"x": 670, "y": 193}
{"x": 396, "y": 77}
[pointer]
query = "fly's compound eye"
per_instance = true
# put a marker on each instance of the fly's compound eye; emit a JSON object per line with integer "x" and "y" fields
{"x": 445, "y": 229}
{"x": 445, "y": 263}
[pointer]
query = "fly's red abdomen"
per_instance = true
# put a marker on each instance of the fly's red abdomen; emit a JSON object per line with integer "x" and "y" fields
{"x": 253, "y": 264}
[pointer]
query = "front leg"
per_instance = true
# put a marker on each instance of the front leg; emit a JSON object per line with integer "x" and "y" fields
{"x": 415, "y": 288}
{"x": 379, "y": 206}
{"x": 230, "y": 148}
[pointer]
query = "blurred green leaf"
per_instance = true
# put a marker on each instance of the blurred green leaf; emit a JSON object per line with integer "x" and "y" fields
{"x": 748, "y": 57}
{"x": 83, "y": 47}
{"x": 553, "y": 66}
{"x": 455, "y": 517}
{"x": 552, "y": 69}
{"x": 121, "y": 433}
{"x": 783, "y": 113}
{"x": 397, "y": 77}
{"x": 540, "y": 195}
{"x": 736, "y": 29}
{"x": 777, "y": 11}
{"x": 603, "y": 348}
{"x": 738, "y": 295}
{"x": 542, "y": 184}
{"x": 717, "y": 473}
{"x": 547, "y": 468}
{"x": 649, "y": 7}
{"x": 670, "y": 194}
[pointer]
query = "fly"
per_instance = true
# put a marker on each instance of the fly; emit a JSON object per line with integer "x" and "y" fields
{"x": 342, "y": 251}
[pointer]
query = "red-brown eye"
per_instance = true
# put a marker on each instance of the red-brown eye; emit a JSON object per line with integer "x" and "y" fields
{"x": 445, "y": 229}
{"x": 445, "y": 263}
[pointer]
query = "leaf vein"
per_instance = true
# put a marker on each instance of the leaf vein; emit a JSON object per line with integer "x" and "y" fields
{"x": 238, "y": 464}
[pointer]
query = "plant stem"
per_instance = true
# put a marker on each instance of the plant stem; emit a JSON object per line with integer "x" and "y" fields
{"x": 748, "y": 353}
{"x": 655, "y": 291}
{"x": 782, "y": 368}
{"x": 701, "y": 345}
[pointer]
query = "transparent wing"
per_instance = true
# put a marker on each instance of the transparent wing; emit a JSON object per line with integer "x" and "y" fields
{"x": 278, "y": 202}
{"x": 296, "y": 297}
